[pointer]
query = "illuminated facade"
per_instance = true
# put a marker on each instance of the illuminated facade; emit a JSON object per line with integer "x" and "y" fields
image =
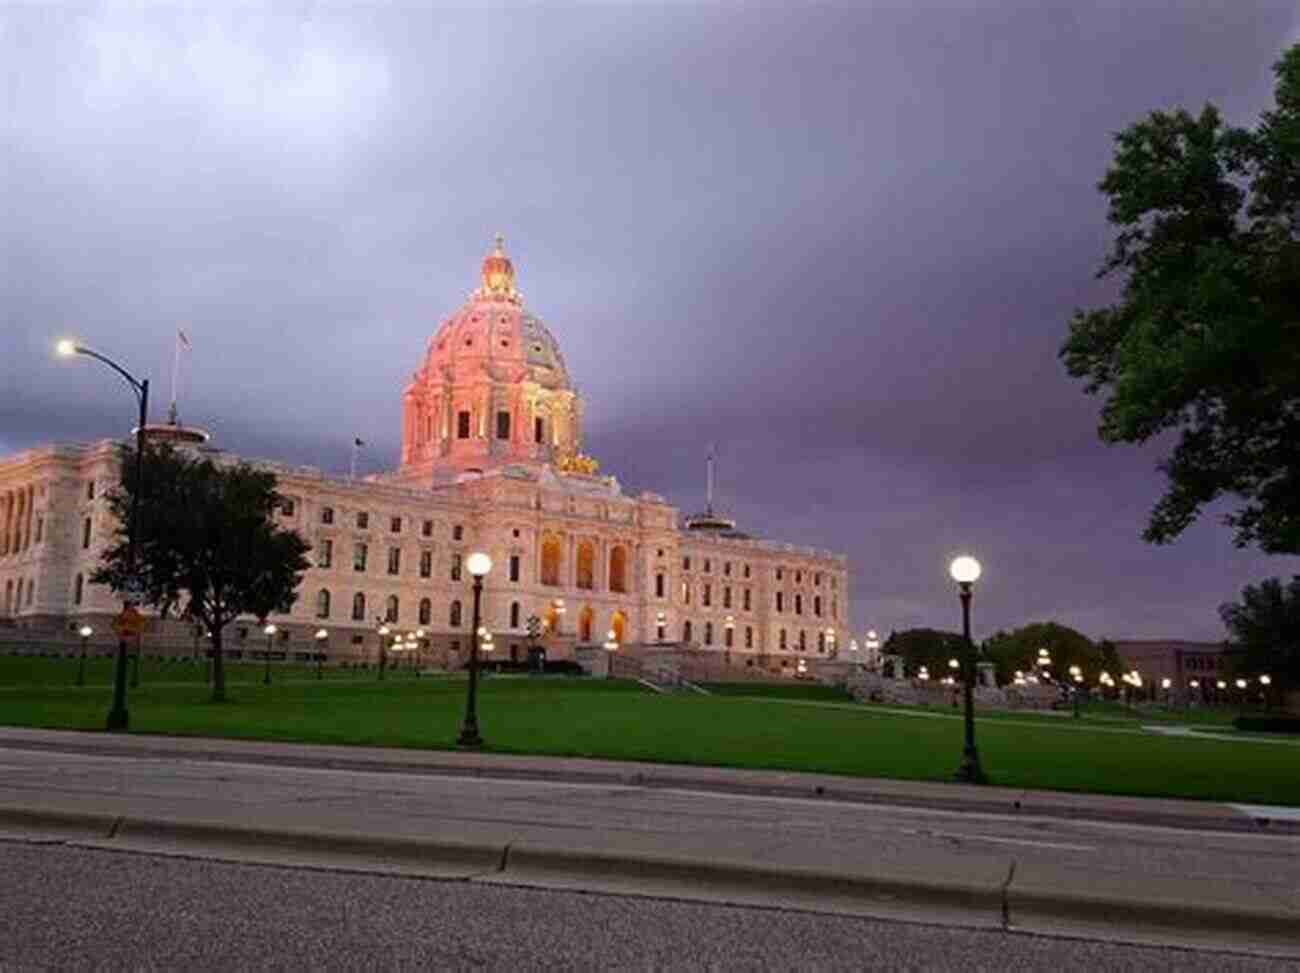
{"x": 491, "y": 460}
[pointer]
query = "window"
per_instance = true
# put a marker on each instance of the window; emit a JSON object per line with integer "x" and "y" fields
{"x": 458, "y": 532}
{"x": 455, "y": 567}
{"x": 798, "y": 577}
{"x": 779, "y": 574}
{"x": 659, "y": 585}
{"x": 514, "y": 614}
{"x": 40, "y": 529}
{"x": 835, "y": 609}
{"x": 426, "y": 564}
{"x": 706, "y": 595}
{"x": 78, "y": 586}
{"x": 746, "y": 571}
{"x": 727, "y": 634}
{"x": 453, "y": 616}
{"x": 708, "y": 633}
{"x": 326, "y": 557}
{"x": 426, "y": 611}
{"x": 749, "y": 636}
{"x": 586, "y": 573}
{"x": 780, "y": 601}
{"x": 85, "y": 534}
{"x": 746, "y": 602}
{"x": 462, "y": 425}
{"x": 539, "y": 431}
{"x": 726, "y": 596}
{"x": 708, "y": 565}
{"x": 618, "y": 570}
{"x": 817, "y": 579}
{"x": 390, "y": 609}
{"x": 726, "y": 568}
{"x": 783, "y": 639}
{"x": 821, "y": 641}
{"x": 31, "y": 590}
{"x": 363, "y": 520}
{"x": 327, "y": 515}
{"x": 798, "y": 604}
{"x": 426, "y": 529}
{"x": 686, "y": 564}
{"x": 322, "y": 604}
{"x": 686, "y": 593}
{"x": 817, "y": 605}
{"x": 90, "y": 489}
{"x": 514, "y": 567}
{"x": 287, "y": 507}
{"x": 358, "y": 607}
{"x": 394, "y": 560}
{"x": 550, "y": 561}
{"x": 834, "y": 583}
{"x": 686, "y": 630}
{"x": 803, "y": 640}
{"x": 358, "y": 557}
{"x": 503, "y": 425}
{"x": 395, "y": 525}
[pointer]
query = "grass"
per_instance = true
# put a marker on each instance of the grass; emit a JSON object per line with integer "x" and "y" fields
{"x": 620, "y": 720}
{"x": 62, "y": 671}
{"x": 792, "y": 690}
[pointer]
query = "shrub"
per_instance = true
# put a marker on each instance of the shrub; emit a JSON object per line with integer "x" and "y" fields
{"x": 1268, "y": 724}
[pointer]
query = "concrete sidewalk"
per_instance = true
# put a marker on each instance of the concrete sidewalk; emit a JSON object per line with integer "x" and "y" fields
{"x": 1057, "y": 863}
{"x": 1162, "y": 812}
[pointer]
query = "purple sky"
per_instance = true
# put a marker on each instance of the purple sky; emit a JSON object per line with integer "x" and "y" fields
{"x": 843, "y": 243}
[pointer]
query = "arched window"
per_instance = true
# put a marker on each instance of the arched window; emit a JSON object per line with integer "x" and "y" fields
{"x": 619, "y": 624}
{"x": 551, "y": 561}
{"x": 586, "y": 565}
{"x": 618, "y": 569}
{"x": 803, "y": 640}
{"x": 708, "y": 633}
{"x": 390, "y": 609}
{"x": 821, "y": 641}
{"x": 783, "y": 642}
{"x": 514, "y": 614}
{"x": 426, "y": 611}
{"x": 584, "y": 625}
{"x": 77, "y": 587}
{"x": 453, "y": 617}
{"x": 358, "y": 607}
{"x": 686, "y": 630}
{"x": 322, "y": 604}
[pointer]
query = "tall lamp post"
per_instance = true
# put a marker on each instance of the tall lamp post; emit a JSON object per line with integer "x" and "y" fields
{"x": 118, "y": 717}
{"x": 611, "y": 646}
{"x": 269, "y": 632}
{"x": 322, "y": 639}
{"x": 965, "y": 570}
{"x": 85, "y": 632}
{"x": 479, "y": 565}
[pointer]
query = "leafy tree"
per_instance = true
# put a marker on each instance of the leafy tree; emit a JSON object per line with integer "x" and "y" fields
{"x": 1265, "y": 630}
{"x": 1205, "y": 338}
{"x": 927, "y": 647}
{"x": 207, "y": 539}
{"x": 1018, "y": 650}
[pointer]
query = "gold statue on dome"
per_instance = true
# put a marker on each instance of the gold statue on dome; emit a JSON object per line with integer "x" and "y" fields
{"x": 572, "y": 461}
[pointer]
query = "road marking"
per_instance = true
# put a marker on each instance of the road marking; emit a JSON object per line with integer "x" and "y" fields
{"x": 925, "y": 833}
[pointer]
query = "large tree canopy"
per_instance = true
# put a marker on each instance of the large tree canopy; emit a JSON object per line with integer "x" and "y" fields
{"x": 207, "y": 541}
{"x": 1205, "y": 338}
{"x": 927, "y": 647}
{"x": 1018, "y": 651}
{"x": 1265, "y": 629}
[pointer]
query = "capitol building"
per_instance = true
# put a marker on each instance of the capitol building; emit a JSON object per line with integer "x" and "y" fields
{"x": 491, "y": 459}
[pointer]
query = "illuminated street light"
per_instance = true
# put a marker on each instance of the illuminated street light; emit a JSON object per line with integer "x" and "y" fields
{"x": 479, "y": 565}
{"x": 269, "y": 631}
{"x": 85, "y": 632}
{"x": 322, "y": 639}
{"x": 965, "y": 570}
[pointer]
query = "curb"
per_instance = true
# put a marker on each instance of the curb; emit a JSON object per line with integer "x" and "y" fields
{"x": 892, "y": 896}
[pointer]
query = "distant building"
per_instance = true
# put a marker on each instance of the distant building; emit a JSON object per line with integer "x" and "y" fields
{"x": 1180, "y": 662}
{"x": 491, "y": 460}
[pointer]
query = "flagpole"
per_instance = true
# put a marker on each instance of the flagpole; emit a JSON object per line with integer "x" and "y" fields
{"x": 176, "y": 365}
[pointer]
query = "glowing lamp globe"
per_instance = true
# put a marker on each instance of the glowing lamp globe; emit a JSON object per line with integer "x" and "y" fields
{"x": 66, "y": 347}
{"x": 269, "y": 630}
{"x": 964, "y": 569}
{"x": 321, "y": 634}
{"x": 85, "y": 631}
{"x": 479, "y": 564}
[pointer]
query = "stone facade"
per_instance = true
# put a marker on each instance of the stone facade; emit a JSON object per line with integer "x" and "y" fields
{"x": 491, "y": 429}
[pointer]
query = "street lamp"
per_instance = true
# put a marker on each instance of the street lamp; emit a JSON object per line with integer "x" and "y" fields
{"x": 479, "y": 565}
{"x": 383, "y": 649}
{"x": 965, "y": 570}
{"x": 611, "y": 646}
{"x": 118, "y": 717}
{"x": 322, "y": 636}
{"x": 269, "y": 632}
{"x": 85, "y": 632}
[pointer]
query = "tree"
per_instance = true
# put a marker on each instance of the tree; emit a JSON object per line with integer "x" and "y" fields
{"x": 927, "y": 647}
{"x": 1205, "y": 338}
{"x": 208, "y": 540}
{"x": 1265, "y": 630}
{"x": 1018, "y": 651}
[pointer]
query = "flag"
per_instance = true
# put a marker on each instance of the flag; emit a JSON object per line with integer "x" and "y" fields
{"x": 358, "y": 442}
{"x": 183, "y": 338}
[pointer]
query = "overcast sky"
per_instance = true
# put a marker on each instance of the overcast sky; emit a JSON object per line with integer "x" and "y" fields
{"x": 843, "y": 242}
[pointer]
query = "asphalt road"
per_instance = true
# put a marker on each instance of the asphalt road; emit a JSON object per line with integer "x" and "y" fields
{"x": 72, "y": 908}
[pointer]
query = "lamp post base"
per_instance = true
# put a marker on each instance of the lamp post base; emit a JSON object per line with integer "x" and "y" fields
{"x": 969, "y": 770}
{"x": 469, "y": 737}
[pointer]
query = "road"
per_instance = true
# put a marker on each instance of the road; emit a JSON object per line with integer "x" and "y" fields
{"x": 74, "y": 908}
{"x": 970, "y": 868}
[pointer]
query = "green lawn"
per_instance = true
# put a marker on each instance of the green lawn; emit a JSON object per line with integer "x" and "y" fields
{"x": 620, "y": 720}
{"x": 784, "y": 690}
{"x": 62, "y": 671}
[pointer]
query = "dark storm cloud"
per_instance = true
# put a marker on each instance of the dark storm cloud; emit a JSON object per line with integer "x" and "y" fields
{"x": 843, "y": 243}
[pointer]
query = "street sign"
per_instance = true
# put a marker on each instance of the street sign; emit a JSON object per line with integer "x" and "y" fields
{"x": 129, "y": 622}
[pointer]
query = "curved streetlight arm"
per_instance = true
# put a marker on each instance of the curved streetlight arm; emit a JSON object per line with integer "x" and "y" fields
{"x": 136, "y": 386}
